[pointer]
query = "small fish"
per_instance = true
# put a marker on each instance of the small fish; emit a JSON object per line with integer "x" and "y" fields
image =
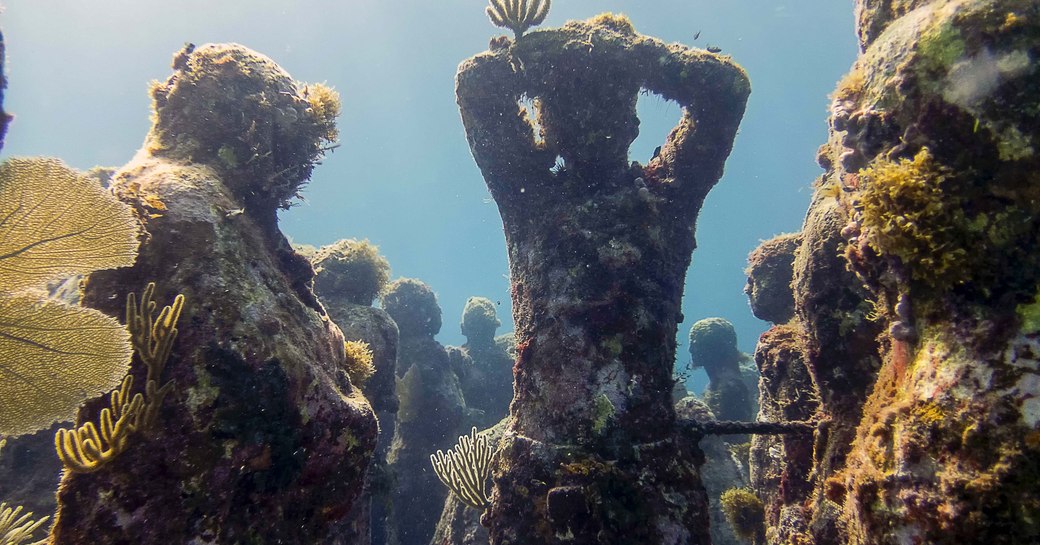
{"x": 235, "y": 212}
{"x": 697, "y": 35}
{"x": 714, "y": 49}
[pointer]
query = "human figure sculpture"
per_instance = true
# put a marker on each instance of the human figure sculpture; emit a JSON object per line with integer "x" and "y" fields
{"x": 484, "y": 366}
{"x": 598, "y": 249}
{"x": 430, "y": 414}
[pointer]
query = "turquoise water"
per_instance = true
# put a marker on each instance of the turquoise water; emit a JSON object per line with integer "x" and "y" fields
{"x": 403, "y": 176}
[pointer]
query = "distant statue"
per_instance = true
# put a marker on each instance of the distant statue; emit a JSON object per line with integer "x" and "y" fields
{"x": 349, "y": 275}
{"x": 430, "y": 414}
{"x": 484, "y": 364}
{"x": 713, "y": 346}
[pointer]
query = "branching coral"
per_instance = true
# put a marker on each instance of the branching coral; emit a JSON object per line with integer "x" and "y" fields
{"x": 86, "y": 450}
{"x": 518, "y": 15}
{"x": 153, "y": 339}
{"x": 465, "y": 469}
{"x": 16, "y": 528}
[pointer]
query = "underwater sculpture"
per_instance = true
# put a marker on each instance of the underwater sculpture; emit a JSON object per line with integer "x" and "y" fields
{"x": 349, "y": 275}
{"x": 431, "y": 412}
{"x": 713, "y": 347}
{"x": 483, "y": 365}
{"x": 922, "y": 334}
{"x": 598, "y": 249}
{"x": 263, "y": 439}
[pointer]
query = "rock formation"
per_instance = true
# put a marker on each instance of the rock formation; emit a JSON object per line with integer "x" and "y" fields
{"x": 720, "y": 472}
{"x": 263, "y": 439}
{"x": 598, "y": 249}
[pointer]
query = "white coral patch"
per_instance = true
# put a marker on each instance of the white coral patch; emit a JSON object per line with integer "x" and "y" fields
{"x": 1028, "y": 390}
{"x": 972, "y": 80}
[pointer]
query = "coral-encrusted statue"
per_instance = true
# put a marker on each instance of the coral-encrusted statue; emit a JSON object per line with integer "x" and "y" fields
{"x": 483, "y": 364}
{"x": 263, "y": 439}
{"x": 430, "y": 414}
{"x": 598, "y": 249}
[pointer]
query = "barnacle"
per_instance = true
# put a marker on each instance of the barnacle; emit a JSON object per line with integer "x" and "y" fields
{"x": 518, "y": 15}
{"x": 465, "y": 469}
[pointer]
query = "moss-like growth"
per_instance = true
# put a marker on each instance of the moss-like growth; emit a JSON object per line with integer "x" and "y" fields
{"x": 359, "y": 361}
{"x": 953, "y": 231}
{"x": 236, "y": 110}
{"x": 614, "y": 21}
{"x": 350, "y": 269}
{"x": 941, "y": 48}
{"x": 745, "y": 513}
{"x": 413, "y": 306}
{"x": 325, "y": 106}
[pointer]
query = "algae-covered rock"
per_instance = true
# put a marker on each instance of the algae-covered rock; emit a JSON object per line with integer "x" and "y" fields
{"x": 781, "y": 465}
{"x": 598, "y": 249}
{"x": 770, "y": 270}
{"x": 240, "y": 114}
{"x": 263, "y": 438}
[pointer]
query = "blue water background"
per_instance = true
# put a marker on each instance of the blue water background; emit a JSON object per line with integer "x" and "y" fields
{"x": 404, "y": 177}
